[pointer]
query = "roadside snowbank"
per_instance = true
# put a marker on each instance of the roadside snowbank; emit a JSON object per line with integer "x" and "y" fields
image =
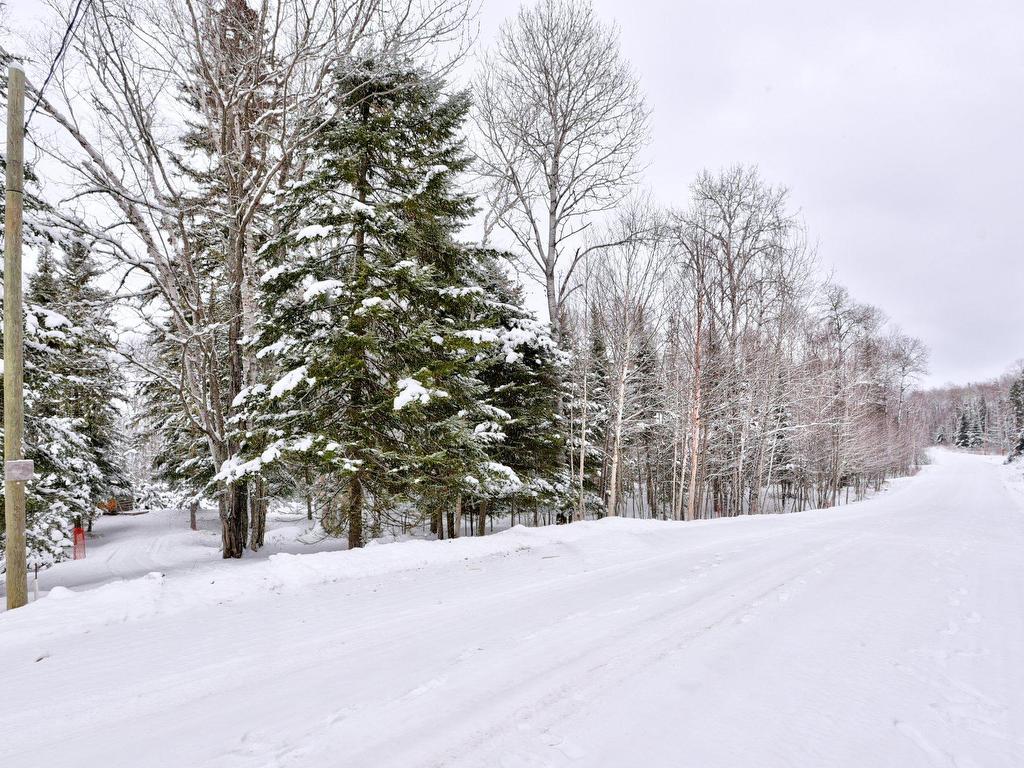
{"x": 217, "y": 582}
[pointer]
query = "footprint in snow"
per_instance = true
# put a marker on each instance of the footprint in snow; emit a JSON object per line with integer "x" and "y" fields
{"x": 568, "y": 748}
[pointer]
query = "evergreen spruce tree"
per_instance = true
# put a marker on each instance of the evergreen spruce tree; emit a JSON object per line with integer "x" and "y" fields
{"x": 785, "y": 469}
{"x": 975, "y": 423}
{"x": 1017, "y": 414}
{"x": 963, "y": 432}
{"x": 97, "y": 382}
{"x": 600, "y": 374}
{"x": 520, "y": 371}
{"x": 378, "y": 322}
{"x": 1017, "y": 403}
{"x": 69, "y": 386}
{"x": 1018, "y": 449}
{"x": 646, "y": 399}
{"x": 586, "y": 399}
{"x": 70, "y": 390}
{"x": 980, "y": 432}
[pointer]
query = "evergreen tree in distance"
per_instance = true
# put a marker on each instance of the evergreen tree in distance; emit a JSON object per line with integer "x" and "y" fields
{"x": 1017, "y": 410}
{"x": 964, "y": 430}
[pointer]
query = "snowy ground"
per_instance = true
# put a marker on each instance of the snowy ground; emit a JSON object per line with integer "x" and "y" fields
{"x": 887, "y": 633}
{"x": 129, "y": 546}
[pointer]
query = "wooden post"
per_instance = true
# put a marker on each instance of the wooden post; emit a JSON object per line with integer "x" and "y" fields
{"x": 14, "y": 490}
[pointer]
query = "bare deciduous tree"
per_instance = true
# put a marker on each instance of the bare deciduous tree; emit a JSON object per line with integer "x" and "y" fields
{"x": 562, "y": 122}
{"x": 629, "y": 307}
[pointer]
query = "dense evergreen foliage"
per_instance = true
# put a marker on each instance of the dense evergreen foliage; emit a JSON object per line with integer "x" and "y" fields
{"x": 72, "y": 387}
{"x": 402, "y": 365}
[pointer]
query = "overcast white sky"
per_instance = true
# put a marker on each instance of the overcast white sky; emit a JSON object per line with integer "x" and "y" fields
{"x": 898, "y": 126}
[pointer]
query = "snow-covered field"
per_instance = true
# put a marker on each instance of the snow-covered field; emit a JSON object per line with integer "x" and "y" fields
{"x": 886, "y": 633}
{"x": 129, "y": 546}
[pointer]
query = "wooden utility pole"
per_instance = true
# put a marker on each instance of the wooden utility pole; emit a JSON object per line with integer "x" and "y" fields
{"x": 14, "y": 415}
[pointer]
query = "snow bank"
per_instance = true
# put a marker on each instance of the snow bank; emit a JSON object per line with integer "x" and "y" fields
{"x": 288, "y": 571}
{"x": 64, "y": 611}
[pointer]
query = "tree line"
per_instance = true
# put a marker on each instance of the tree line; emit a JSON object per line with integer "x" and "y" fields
{"x": 986, "y": 416}
{"x": 713, "y": 375}
{"x": 315, "y": 240}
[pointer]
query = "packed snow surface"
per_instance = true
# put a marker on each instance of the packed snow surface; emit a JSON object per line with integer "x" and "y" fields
{"x": 887, "y": 633}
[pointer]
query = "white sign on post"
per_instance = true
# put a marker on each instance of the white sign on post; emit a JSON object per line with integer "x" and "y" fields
{"x": 22, "y": 469}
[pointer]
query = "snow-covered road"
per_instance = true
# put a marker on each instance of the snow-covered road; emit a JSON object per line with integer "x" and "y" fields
{"x": 887, "y": 633}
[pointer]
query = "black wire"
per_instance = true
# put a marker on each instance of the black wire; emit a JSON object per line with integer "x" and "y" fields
{"x": 65, "y": 43}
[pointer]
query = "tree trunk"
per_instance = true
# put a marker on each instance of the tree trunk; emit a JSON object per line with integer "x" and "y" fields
{"x": 234, "y": 519}
{"x": 355, "y": 512}
{"x": 235, "y": 526}
{"x": 258, "y": 527}
{"x": 583, "y": 453}
{"x": 309, "y": 494}
{"x": 695, "y": 411}
{"x": 439, "y": 526}
{"x": 620, "y": 407}
{"x": 551, "y": 254}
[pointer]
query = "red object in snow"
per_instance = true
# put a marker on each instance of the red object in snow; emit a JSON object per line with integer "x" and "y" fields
{"x": 79, "y": 551}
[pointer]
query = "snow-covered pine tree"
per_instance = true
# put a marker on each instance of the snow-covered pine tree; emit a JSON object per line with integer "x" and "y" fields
{"x": 376, "y": 319}
{"x": 96, "y": 383}
{"x": 521, "y": 372}
{"x": 1018, "y": 449}
{"x": 600, "y": 384}
{"x": 586, "y": 405}
{"x": 979, "y": 434}
{"x": 970, "y": 431}
{"x": 782, "y": 466}
{"x": 648, "y": 398}
{"x": 963, "y": 430}
{"x": 70, "y": 386}
{"x": 70, "y": 392}
{"x": 1016, "y": 399}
